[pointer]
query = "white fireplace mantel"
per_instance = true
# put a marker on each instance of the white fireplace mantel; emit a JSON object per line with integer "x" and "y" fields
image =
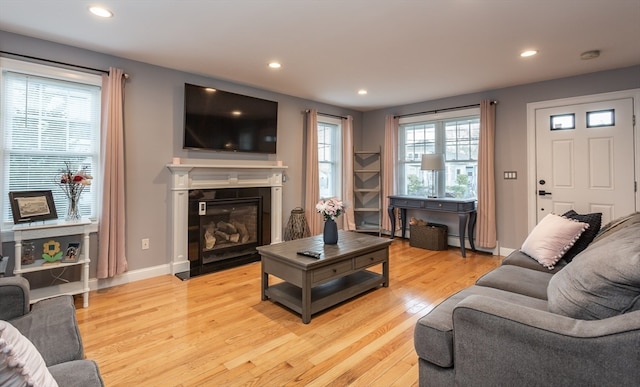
{"x": 214, "y": 174}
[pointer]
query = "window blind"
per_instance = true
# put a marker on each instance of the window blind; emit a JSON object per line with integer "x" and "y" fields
{"x": 47, "y": 123}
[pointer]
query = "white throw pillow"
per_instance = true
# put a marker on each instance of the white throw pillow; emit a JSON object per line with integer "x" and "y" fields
{"x": 551, "y": 238}
{"x": 20, "y": 362}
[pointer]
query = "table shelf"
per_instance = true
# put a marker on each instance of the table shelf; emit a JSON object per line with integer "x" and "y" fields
{"x": 26, "y": 232}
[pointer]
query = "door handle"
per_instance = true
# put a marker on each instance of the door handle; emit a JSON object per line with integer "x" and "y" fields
{"x": 543, "y": 192}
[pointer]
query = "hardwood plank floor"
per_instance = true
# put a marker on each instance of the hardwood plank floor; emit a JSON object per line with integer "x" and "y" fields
{"x": 214, "y": 330}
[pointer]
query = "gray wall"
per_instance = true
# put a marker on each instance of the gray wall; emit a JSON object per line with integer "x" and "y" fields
{"x": 153, "y": 130}
{"x": 153, "y": 135}
{"x": 511, "y": 134}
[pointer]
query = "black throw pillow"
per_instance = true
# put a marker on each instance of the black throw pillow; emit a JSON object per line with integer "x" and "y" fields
{"x": 594, "y": 220}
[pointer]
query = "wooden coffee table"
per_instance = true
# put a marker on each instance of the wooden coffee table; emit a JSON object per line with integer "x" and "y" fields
{"x": 311, "y": 285}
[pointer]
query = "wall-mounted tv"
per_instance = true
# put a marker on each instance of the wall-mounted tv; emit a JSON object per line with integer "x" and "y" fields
{"x": 223, "y": 121}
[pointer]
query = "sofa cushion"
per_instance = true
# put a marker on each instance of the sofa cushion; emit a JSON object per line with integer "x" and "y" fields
{"x": 602, "y": 281}
{"x": 552, "y": 237}
{"x": 518, "y": 258}
{"x": 53, "y": 329}
{"x": 532, "y": 283}
{"x": 77, "y": 373}
{"x": 20, "y": 362}
{"x": 594, "y": 220}
{"x": 617, "y": 224}
{"x": 433, "y": 335}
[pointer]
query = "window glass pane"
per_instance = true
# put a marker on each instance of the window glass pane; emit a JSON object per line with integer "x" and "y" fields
{"x": 458, "y": 139}
{"x": 601, "y": 118}
{"x": 563, "y": 121}
{"x": 329, "y": 156}
{"x": 46, "y": 123}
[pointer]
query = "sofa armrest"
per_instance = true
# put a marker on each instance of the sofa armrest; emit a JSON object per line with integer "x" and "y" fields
{"x": 500, "y": 343}
{"x": 53, "y": 329}
{"x": 14, "y": 297}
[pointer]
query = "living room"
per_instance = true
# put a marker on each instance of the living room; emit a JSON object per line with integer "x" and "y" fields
{"x": 154, "y": 124}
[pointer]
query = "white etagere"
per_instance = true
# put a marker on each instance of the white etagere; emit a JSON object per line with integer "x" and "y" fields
{"x": 25, "y": 232}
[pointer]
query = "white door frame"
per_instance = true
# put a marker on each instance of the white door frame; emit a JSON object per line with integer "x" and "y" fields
{"x": 531, "y": 140}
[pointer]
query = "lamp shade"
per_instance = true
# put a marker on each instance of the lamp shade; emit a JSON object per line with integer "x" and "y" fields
{"x": 432, "y": 162}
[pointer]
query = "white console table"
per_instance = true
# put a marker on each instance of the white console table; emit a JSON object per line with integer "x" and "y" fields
{"x": 24, "y": 232}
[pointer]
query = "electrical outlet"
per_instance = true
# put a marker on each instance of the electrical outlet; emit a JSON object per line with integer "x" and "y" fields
{"x": 145, "y": 244}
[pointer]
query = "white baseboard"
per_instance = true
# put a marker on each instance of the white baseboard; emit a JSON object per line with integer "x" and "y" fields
{"x": 130, "y": 276}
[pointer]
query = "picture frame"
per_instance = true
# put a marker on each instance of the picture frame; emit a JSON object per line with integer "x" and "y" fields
{"x": 32, "y": 206}
{"x": 72, "y": 253}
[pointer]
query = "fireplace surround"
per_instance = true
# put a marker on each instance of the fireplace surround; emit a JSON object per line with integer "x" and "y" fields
{"x": 191, "y": 176}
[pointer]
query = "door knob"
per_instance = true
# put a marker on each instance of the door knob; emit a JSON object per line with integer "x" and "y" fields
{"x": 543, "y": 192}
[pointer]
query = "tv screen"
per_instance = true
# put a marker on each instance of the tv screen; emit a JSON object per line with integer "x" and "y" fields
{"x": 224, "y": 121}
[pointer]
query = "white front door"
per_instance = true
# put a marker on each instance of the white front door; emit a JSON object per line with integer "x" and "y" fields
{"x": 585, "y": 158}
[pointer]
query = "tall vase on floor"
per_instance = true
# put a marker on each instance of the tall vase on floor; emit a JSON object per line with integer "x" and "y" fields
{"x": 330, "y": 233}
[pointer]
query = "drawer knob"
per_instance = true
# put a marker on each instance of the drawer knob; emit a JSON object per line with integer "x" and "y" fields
{"x": 371, "y": 258}
{"x": 335, "y": 271}
{"x": 439, "y": 204}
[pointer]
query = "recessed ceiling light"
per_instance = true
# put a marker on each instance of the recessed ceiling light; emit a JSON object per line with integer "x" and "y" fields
{"x": 99, "y": 11}
{"x": 527, "y": 53}
{"x": 275, "y": 65}
{"x": 236, "y": 112}
{"x": 210, "y": 89}
{"x": 362, "y": 92}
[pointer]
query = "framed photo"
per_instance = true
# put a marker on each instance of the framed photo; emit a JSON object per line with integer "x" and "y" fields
{"x": 31, "y": 206}
{"x": 72, "y": 254}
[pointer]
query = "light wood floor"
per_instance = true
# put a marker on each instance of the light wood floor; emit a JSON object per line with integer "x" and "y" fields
{"x": 214, "y": 330}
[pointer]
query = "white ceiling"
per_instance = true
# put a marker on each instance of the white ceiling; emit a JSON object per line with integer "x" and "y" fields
{"x": 401, "y": 51}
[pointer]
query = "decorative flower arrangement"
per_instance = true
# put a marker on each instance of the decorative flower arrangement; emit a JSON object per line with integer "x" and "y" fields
{"x": 73, "y": 183}
{"x": 330, "y": 208}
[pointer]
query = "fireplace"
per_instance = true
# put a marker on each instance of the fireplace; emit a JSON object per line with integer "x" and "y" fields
{"x": 226, "y": 226}
{"x": 230, "y": 180}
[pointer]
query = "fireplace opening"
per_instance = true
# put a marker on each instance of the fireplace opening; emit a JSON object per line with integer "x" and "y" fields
{"x": 225, "y": 226}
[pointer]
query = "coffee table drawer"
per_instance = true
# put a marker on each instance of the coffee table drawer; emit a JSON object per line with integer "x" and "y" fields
{"x": 333, "y": 271}
{"x": 370, "y": 259}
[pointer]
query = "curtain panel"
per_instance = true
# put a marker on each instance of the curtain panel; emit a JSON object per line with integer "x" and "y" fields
{"x": 390, "y": 158}
{"x": 348, "y": 221}
{"x": 486, "y": 226}
{"x": 312, "y": 178}
{"x": 111, "y": 234}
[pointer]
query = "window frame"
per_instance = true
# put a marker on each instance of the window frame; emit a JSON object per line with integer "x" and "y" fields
{"x": 54, "y": 73}
{"x": 336, "y": 166}
{"x": 439, "y": 146}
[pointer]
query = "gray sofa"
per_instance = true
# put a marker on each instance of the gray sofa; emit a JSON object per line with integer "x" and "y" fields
{"x": 523, "y": 324}
{"x": 52, "y": 327}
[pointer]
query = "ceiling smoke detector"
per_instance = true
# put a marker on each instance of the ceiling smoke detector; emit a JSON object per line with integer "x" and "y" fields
{"x": 590, "y": 54}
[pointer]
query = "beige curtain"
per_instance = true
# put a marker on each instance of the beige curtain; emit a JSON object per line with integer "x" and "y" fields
{"x": 390, "y": 158}
{"x": 486, "y": 225}
{"x": 111, "y": 234}
{"x": 348, "y": 221}
{"x": 312, "y": 178}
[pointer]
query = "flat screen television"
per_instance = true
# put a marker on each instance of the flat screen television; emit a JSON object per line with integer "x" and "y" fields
{"x": 219, "y": 120}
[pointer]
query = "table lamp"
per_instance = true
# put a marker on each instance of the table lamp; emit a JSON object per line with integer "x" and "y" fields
{"x": 433, "y": 163}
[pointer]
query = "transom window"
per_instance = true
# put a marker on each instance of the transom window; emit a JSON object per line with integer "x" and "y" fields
{"x": 456, "y": 136}
{"x": 50, "y": 117}
{"x": 329, "y": 156}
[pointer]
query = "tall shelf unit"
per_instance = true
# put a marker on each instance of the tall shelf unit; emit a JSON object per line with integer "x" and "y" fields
{"x": 367, "y": 190}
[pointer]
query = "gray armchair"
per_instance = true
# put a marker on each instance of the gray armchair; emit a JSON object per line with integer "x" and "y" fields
{"x": 52, "y": 327}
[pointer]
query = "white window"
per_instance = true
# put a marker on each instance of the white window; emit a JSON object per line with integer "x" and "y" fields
{"x": 50, "y": 117}
{"x": 329, "y": 156}
{"x": 453, "y": 134}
